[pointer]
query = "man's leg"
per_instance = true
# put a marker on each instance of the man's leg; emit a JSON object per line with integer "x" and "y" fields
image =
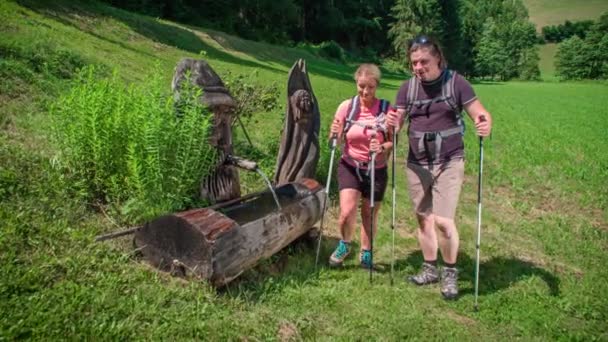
{"x": 446, "y": 192}
{"x": 449, "y": 239}
{"x": 427, "y": 237}
{"x": 420, "y": 182}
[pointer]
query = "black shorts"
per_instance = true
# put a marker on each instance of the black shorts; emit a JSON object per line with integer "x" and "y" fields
{"x": 348, "y": 179}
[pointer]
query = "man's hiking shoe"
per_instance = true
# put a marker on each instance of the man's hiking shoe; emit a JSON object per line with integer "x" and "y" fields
{"x": 341, "y": 252}
{"x": 428, "y": 275}
{"x": 365, "y": 258}
{"x": 449, "y": 283}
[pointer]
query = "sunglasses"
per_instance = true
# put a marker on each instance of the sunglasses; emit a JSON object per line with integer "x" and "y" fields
{"x": 420, "y": 40}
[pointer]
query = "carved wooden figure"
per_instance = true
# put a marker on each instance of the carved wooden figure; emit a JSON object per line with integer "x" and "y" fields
{"x": 223, "y": 183}
{"x": 299, "y": 150}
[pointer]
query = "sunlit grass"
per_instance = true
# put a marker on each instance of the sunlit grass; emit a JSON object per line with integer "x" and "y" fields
{"x": 543, "y": 273}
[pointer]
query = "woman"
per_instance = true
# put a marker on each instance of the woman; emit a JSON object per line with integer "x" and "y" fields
{"x": 433, "y": 100}
{"x": 360, "y": 123}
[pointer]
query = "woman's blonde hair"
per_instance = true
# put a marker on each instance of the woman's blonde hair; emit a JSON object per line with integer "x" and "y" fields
{"x": 368, "y": 69}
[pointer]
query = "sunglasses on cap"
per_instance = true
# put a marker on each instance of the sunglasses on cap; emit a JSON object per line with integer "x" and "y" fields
{"x": 420, "y": 40}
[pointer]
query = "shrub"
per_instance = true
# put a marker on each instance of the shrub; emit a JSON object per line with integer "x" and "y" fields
{"x": 125, "y": 145}
{"x": 331, "y": 49}
{"x": 251, "y": 97}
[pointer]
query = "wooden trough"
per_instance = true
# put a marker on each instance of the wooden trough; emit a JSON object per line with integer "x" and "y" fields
{"x": 218, "y": 243}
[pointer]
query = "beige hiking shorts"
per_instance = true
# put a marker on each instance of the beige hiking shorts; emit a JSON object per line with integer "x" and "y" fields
{"x": 435, "y": 191}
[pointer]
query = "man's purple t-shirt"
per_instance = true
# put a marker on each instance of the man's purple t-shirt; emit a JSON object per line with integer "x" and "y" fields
{"x": 435, "y": 117}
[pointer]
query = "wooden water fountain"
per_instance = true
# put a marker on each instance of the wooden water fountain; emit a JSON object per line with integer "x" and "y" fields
{"x": 219, "y": 242}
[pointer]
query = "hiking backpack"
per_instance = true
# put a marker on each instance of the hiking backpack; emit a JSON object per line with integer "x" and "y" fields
{"x": 354, "y": 109}
{"x": 447, "y": 95}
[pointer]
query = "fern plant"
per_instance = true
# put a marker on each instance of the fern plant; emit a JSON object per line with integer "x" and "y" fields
{"x": 125, "y": 146}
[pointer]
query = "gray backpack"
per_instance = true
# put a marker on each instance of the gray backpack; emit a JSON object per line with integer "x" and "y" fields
{"x": 353, "y": 113}
{"x": 431, "y": 142}
{"x": 447, "y": 95}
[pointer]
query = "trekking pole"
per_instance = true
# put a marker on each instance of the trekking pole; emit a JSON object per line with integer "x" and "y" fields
{"x": 333, "y": 142}
{"x": 371, "y": 225}
{"x": 479, "y": 188}
{"x": 393, "y": 202}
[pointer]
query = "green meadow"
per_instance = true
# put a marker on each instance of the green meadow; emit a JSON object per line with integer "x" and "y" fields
{"x": 545, "y": 207}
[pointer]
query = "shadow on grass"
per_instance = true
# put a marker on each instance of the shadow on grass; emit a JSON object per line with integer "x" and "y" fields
{"x": 293, "y": 266}
{"x": 495, "y": 274}
{"x": 183, "y": 37}
{"x": 71, "y": 14}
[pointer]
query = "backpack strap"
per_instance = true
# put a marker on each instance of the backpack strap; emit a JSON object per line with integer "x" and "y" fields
{"x": 355, "y": 108}
{"x": 353, "y": 112}
{"x": 448, "y": 92}
{"x": 412, "y": 94}
{"x": 447, "y": 96}
{"x": 383, "y": 106}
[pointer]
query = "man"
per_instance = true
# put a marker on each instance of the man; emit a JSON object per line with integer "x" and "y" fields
{"x": 433, "y": 100}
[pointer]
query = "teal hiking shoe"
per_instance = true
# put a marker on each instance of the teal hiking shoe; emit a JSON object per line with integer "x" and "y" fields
{"x": 365, "y": 258}
{"x": 341, "y": 252}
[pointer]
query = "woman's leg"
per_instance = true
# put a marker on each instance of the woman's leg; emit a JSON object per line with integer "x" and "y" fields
{"x": 366, "y": 222}
{"x": 348, "y": 209}
{"x": 346, "y": 224}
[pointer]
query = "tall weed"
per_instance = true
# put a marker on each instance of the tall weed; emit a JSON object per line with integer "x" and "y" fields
{"x": 125, "y": 145}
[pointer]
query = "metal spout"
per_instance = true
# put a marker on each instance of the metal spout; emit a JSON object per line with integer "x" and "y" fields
{"x": 241, "y": 162}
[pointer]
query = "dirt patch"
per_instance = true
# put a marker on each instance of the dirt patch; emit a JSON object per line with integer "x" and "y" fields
{"x": 464, "y": 320}
{"x": 288, "y": 332}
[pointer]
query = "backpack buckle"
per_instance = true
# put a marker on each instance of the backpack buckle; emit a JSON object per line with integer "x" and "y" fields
{"x": 430, "y": 136}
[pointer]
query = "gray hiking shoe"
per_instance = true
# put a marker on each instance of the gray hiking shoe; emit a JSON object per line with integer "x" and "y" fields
{"x": 428, "y": 275}
{"x": 449, "y": 283}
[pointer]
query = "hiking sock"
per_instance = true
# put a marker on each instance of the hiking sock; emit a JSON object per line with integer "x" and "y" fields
{"x": 431, "y": 262}
{"x": 449, "y": 265}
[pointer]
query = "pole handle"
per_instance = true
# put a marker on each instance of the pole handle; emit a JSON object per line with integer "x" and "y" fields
{"x": 333, "y": 141}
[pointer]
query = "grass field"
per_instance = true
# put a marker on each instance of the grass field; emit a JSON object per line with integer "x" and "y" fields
{"x": 545, "y": 222}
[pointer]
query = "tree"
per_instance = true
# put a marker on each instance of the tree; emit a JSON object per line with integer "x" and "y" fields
{"x": 491, "y": 57}
{"x": 557, "y": 33}
{"x": 529, "y": 65}
{"x": 585, "y": 59}
{"x": 506, "y": 40}
{"x": 568, "y": 59}
{"x": 413, "y": 17}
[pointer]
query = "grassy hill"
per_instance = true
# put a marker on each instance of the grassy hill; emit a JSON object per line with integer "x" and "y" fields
{"x": 547, "y": 12}
{"x": 545, "y": 223}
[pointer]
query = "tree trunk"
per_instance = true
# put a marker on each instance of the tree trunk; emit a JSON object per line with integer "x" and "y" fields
{"x": 219, "y": 244}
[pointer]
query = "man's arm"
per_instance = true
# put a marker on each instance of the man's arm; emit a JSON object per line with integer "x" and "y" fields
{"x": 480, "y": 116}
